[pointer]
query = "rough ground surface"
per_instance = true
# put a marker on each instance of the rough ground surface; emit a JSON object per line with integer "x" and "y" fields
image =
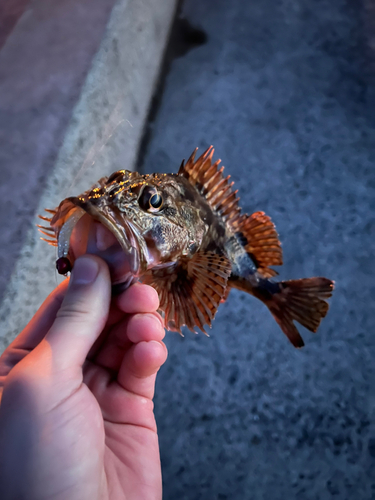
{"x": 70, "y": 71}
{"x": 43, "y": 65}
{"x": 283, "y": 90}
{"x": 76, "y": 80}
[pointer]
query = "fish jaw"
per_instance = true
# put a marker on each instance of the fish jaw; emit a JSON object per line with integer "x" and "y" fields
{"x": 82, "y": 227}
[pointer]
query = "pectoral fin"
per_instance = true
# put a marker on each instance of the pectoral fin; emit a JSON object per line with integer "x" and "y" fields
{"x": 190, "y": 290}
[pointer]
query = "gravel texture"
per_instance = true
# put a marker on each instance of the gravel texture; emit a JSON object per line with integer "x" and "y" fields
{"x": 283, "y": 90}
{"x": 76, "y": 81}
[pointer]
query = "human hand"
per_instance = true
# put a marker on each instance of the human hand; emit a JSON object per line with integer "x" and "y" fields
{"x": 76, "y": 414}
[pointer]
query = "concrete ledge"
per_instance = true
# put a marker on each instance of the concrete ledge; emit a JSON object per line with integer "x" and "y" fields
{"x": 76, "y": 78}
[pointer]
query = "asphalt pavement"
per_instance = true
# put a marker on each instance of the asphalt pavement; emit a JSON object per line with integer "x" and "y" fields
{"x": 284, "y": 91}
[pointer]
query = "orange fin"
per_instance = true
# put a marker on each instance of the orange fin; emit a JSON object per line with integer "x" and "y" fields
{"x": 303, "y": 301}
{"x": 190, "y": 290}
{"x": 210, "y": 182}
{"x": 50, "y": 242}
{"x": 48, "y": 210}
{"x": 226, "y": 294}
{"x": 48, "y": 230}
{"x": 48, "y": 219}
{"x": 262, "y": 242}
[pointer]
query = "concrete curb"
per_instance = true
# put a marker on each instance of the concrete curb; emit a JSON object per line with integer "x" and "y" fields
{"x": 101, "y": 134}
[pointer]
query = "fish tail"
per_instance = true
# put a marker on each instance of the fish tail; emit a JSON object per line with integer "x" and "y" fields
{"x": 301, "y": 300}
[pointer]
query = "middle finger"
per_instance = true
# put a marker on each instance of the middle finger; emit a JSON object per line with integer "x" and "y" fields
{"x": 131, "y": 330}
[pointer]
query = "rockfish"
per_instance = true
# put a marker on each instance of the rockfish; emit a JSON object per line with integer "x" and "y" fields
{"x": 184, "y": 234}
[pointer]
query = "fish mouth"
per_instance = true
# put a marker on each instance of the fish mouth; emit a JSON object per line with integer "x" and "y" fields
{"x": 83, "y": 227}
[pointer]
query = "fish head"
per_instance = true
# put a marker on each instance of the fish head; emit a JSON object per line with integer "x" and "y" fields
{"x": 134, "y": 222}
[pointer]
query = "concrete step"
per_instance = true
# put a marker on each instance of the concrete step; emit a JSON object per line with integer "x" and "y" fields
{"x": 76, "y": 81}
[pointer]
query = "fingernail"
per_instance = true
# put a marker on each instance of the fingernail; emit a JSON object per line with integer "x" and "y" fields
{"x": 85, "y": 271}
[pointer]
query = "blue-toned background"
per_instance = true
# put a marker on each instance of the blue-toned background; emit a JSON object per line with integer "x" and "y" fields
{"x": 283, "y": 90}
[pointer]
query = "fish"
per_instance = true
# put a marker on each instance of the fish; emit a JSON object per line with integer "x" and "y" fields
{"x": 186, "y": 236}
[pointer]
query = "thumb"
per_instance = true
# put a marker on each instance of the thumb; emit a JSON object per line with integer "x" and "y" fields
{"x": 83, "y": 314}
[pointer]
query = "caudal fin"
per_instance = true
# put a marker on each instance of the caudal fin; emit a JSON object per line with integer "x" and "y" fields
{"x": 300, "y": 300}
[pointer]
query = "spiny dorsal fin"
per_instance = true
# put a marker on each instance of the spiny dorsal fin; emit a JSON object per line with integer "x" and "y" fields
{"x": 262, "y": 241}
{"x": 210, "y": 182}
{"x": 190, "y": 291}
{"x": 258, "y": 229}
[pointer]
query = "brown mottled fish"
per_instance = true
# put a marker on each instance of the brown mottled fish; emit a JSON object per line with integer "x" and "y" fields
{"x": 184, "y": 234}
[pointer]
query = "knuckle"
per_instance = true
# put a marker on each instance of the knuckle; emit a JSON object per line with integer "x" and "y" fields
{"x": 76, "y": 308}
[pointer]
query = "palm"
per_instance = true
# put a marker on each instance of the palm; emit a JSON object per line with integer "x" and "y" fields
{"x": 117, "y": 446}
{"x": 99, "y": 421}
{"x": 128, "y": 437}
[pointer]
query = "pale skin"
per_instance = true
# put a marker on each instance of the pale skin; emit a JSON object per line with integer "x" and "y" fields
{"x": 76, "y": 414}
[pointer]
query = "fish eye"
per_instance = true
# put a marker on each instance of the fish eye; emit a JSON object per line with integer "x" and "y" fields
{"x": 156, "y": 201}
{"x": 150, "y": 200}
